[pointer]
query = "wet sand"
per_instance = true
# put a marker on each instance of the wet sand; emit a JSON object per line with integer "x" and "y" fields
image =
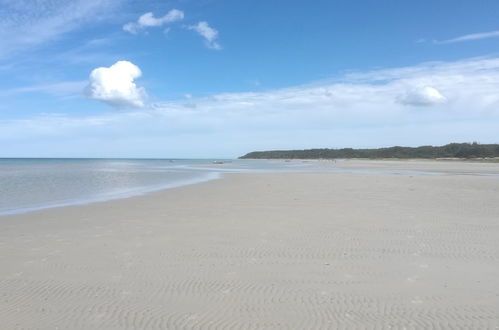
{"x": 264, "y": 251}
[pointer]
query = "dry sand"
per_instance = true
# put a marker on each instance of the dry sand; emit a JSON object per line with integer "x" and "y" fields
{"x": 262, "y": 251}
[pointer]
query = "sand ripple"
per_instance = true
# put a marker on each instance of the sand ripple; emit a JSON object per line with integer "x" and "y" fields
{"x": 280, "y": 251}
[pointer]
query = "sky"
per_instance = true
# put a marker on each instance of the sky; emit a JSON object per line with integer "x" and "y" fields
{"x": 220, "y": 78}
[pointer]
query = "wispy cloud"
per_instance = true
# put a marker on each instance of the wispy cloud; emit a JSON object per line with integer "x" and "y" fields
{"x": 27, "y": 23}
{"x": 63, "y": 89}
{"x": 362, "y": 109}
{"x": 471, "y": 37}
{"x": 148, "y": 20}
{"x": 209, "y": 34}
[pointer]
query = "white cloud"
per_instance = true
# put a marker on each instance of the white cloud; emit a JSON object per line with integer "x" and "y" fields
{"x": 148, "y": 20}
{"x": 116, "y": 85}
{"x": 63, "y": 89}
{"x": 471, "y": 37}
{"x": 356, "y": 110}
{"x": 208, "y": 33}
{"x": 422, "y": 96}
{"x": 27, "y": 23}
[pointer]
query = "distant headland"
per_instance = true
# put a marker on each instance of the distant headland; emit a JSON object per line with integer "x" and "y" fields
{"x": 452, "y": 150}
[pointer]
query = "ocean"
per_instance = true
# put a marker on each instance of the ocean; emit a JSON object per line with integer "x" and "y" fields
{"x": 35, "y": 184}
{"x": 30, "y": 184}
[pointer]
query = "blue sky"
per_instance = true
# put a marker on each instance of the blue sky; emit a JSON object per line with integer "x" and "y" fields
{"x": 219, "y": 78}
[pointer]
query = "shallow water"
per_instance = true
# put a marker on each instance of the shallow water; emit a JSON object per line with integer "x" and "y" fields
{"x": 30, "y": 184}
{"x": 33, "y": 184}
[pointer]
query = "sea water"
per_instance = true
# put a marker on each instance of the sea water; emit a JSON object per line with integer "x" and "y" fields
{"x": 34, "y": 184}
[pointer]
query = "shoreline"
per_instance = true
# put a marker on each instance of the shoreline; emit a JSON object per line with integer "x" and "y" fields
{"x": 342, "y": 166}
{"x": 117, "y": 196}
{"x": 274, "y": 250}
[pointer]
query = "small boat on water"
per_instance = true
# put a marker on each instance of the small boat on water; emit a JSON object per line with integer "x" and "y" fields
{"x": 218, "y": 162}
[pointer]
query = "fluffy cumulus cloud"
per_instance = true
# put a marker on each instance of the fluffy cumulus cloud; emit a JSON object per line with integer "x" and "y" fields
{"x": 209, "y": 34}
{"x": 360, "y": 109}
{"x": 148, "y": 20}
{"x": 116, "y": 86}
{"x": 423, "y": 96}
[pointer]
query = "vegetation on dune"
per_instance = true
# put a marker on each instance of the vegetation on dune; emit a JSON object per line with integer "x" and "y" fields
{"x": 452, "y": 150}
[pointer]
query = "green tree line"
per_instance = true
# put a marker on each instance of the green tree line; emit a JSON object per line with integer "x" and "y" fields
{"x": 452, "y": 150}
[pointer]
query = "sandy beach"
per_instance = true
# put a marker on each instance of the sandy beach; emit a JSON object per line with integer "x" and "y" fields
{"x": 265, "y": 251}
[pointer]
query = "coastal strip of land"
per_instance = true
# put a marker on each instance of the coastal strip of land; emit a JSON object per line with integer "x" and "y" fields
{"x": 365, "y": 250}
{"x": 477, "y": 151}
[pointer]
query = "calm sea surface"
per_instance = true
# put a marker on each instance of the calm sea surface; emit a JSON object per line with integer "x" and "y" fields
{"x": 33, "y": 184}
